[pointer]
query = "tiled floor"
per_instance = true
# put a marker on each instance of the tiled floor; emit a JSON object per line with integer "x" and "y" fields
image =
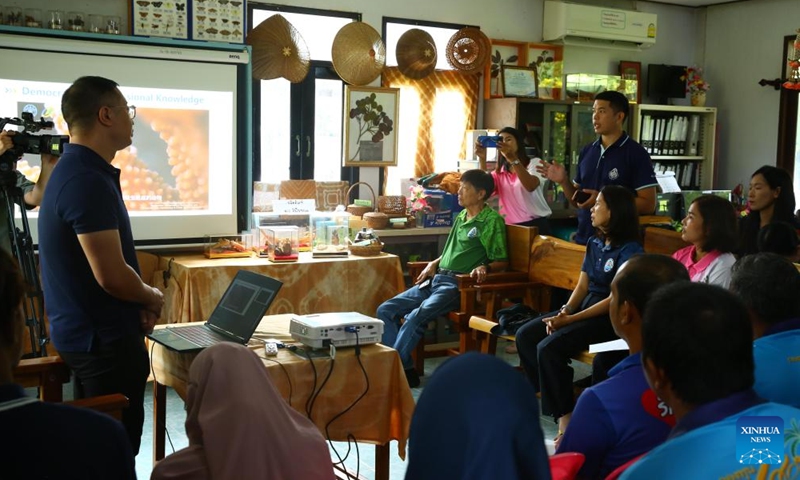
{"x": 366, "y": 453}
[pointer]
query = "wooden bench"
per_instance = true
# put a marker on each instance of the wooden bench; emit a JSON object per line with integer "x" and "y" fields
{"x": 553, "y": 263}
{"x": 662, "y": 240}
{"x": 520, "y": 240}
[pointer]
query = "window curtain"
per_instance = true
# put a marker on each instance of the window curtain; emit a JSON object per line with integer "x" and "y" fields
{"x": 434, "y": 114}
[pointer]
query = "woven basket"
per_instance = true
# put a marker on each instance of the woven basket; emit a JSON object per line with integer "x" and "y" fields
{"x": 376, "y": 220}
{"x": 367, "y": 250}
{"x": 358, "y": 53}
{"x": 392, "y": 205}
{"x": 358, "y": 210}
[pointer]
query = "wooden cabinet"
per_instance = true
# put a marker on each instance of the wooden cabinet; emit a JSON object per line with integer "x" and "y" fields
{"x": 561, "y": 128}
{"x": 558, "y": 128}
{"x": 679, "y": 139}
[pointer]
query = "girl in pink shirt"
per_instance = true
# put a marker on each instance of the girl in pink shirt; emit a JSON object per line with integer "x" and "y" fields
{"x": 710, "y": 226}
{"x": 517, "y": 183}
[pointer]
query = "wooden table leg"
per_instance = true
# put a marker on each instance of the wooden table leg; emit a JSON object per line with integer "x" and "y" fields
{"x": 382, "y": 462}
{"x": 159, "y": 420}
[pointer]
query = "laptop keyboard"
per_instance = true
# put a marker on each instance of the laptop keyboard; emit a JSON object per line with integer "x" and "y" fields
{"x": 200, "y": 335}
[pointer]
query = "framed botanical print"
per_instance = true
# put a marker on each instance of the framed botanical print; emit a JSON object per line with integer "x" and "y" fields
{"x": 548, "y": 60}
{"x": 370, "y": 126}
{"x": 504, "y": 52}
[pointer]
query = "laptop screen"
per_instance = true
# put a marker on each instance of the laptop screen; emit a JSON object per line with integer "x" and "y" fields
{"x": 244, "y": 304}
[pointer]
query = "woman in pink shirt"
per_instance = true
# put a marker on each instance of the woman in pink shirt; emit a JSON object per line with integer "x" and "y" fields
{"x": 710, "y": 226}
{"x": 517, "y": 183}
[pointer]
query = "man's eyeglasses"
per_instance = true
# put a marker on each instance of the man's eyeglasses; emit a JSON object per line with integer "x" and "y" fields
{"x": 131, "y": 110}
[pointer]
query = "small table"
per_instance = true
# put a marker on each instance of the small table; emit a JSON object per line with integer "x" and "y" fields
{"x": 383, "y": 414}
{"x": 311, "y": 285}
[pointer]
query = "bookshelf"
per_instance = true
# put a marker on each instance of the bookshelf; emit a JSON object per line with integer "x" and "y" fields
{"x": 679, "y": 139}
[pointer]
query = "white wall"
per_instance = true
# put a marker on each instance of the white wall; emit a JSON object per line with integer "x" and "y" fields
{"x": 743, "y": 45}
{"x": 678, "y": 42}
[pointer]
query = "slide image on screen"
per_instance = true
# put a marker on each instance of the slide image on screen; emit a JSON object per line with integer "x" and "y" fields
{"x": 167, "y": 166}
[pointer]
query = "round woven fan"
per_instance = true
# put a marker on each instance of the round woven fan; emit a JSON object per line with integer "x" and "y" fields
{"x": 416, "y": 53}
{"x": 468, "y": 50}
{"x": 279, "y": 50}
{"x": 358, "y": 53}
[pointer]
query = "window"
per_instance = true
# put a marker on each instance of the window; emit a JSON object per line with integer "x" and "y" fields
{"x": 298, "y": 127}
{"x": 435, "y": 112}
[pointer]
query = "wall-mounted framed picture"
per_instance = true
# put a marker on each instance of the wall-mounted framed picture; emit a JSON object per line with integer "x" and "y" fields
{"x": 370, "y": 126}
{"x": 548, "y": 60}
{"x": 160, "y": 18}
{"x": 219, "y": 20}
{"x": 520, "y": 82}
{"x": 631, "y": 72}
{"x": 504, "y": 52}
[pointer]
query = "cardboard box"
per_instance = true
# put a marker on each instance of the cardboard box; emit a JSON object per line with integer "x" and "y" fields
{"x": 439, "y": 219}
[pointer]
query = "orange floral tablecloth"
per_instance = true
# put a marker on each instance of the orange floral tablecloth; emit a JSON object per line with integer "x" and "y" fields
{"x": 312, "y": 285}
{"x": 383, "y": 414}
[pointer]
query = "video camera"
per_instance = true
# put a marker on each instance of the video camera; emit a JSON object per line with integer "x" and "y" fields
{"x": 24, "y": 142}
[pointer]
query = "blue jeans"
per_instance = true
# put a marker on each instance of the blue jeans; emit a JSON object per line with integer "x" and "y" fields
{"x": 418, "y": 307}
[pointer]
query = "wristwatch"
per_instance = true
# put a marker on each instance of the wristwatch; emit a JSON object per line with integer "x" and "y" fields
{"x": 569, "y": 309}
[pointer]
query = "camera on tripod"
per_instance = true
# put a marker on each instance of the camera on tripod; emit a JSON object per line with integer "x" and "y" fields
{"x": 25, "y": 142}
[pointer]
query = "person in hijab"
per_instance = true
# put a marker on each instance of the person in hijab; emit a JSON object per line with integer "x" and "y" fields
{"x": 477, "y": 419}
{"x": 240, "y": 427}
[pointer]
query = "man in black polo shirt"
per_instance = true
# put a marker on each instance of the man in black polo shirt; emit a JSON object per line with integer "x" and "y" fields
{"x": 97, "y": 304}
{"x": 613, "y": 159}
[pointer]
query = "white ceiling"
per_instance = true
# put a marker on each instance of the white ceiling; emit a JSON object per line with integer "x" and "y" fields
{"x": 695, "y": 3}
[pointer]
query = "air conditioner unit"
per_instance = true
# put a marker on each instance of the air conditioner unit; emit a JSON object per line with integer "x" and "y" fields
{"x": 591, "y": 26}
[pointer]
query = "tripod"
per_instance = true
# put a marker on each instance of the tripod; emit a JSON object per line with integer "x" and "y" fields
{"x": 22, "y": 249}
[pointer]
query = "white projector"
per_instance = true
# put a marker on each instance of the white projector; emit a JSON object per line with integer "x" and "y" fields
{"x": 320, "y": 330}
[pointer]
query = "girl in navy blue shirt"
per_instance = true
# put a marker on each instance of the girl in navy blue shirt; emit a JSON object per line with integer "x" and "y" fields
{"x": 547, "y": 343}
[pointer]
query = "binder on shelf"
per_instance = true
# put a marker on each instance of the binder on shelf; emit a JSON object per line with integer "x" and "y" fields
{"x": 694, "y": 135}
{"x": 651, "y": 135}
{"x": 682, "y": 132}
{"x": 644, "y": 133}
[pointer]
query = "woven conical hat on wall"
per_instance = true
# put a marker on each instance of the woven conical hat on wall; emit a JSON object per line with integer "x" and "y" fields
{"x": 278, "y": 50}
{"x": 468, "y": 50}
{"x": 358, "y": 53}
{"x": 416, "y": 54}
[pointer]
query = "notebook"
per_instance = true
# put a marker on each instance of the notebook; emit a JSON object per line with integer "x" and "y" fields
{"x": 234, "y": 319}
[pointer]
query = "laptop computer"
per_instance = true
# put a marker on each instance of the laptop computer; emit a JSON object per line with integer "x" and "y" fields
{"x": 234, "y": 319}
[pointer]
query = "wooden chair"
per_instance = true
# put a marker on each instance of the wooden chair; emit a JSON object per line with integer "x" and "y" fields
{"x": 520, "y": 240}
{"x": 111, "y": 405}
{"x": 553, "y": 263}
{"x": 46, "y": 373}
{"x": 662, "y": 240}
{"x": 49, "y": 374}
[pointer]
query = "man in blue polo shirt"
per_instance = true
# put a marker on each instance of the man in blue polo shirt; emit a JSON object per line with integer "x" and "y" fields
{"x": 697, "y": 355}
{"x": 613, "y": 159}
{"x": 621, "y": 418}
{"x": 476, "y": 246}
{"x": 768, "y": 284}
{"x": 99, "y": 307}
